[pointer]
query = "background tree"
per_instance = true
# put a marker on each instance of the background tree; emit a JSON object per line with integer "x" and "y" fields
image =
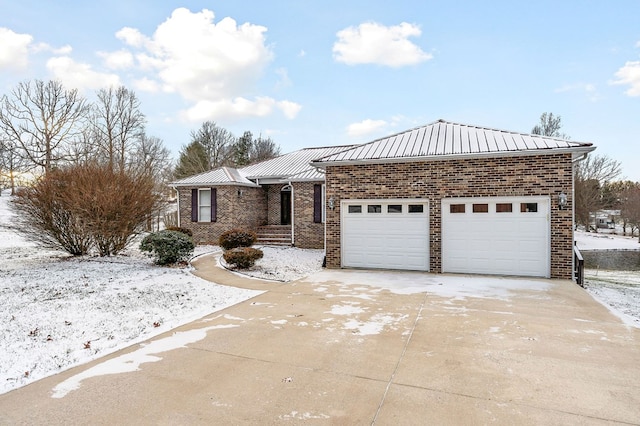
{"x": 118, "y": 125}
{"x": 242, "y": 150}
{"x": 549, "y": 125}
{"x": 630, "y": 207}
{"x": 590, "y": 176}
{"x": 263, "y": 149}
{"x": 217, "y": 143}
{"x": 12, "y": 164}
{"x": 42, "y": 118}
{"x": 193, "y": 159}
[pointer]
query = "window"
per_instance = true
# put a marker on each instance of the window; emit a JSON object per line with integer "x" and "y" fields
{"x": 504, "y": 208}
{"x": 355, "y": 209}
{"x": 481, "y": 208}
{"x": 204, "y": 205}
{"x": 374, "y": 208}
{"x": 456, "y": 208}
{"x": 394, "y": 208}
{"x": 416, "y": 208}
{"x": 528, "y": 207}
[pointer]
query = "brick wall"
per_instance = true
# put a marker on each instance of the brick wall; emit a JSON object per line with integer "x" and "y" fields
{"x": 546, "y": 175}
{"x": 307, "y": 233}
{"x": 273, "y": 203}
{"x": 247, "y": 211}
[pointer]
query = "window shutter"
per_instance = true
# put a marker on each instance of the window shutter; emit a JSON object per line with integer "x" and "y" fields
{"x": 194, "y": 205}
{"x": 317, "y": 203}
{"x": 214, "y": 204}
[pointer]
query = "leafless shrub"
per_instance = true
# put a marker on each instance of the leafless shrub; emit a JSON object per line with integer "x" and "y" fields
{"x": 87, "y": 206}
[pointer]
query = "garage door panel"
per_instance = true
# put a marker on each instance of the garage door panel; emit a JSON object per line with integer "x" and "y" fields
{"x": 512, "y": 243}
{"x": 385, "y": 240}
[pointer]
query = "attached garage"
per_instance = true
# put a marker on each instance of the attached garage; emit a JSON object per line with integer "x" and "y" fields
{"x": 385, "y": 234}
{"x": 496, "y": 235}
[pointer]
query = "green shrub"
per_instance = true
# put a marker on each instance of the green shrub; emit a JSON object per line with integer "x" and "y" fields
{"x": 242, "y": 257}
{"x": 185, "y": 231}
{"x": 168, "y": 246}
{"x": 235, "y": 238}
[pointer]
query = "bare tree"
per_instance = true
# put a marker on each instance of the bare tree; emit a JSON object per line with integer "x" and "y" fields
{"x": 217, "y": 143}
{"x": 549, "y": 126}
{"x": 590, "y": 176}
{"x": 118, "y": 124}
{"x": 263, "y": 149}
{"x": 630, "y": 207}
{"x": 11, "y": 164}
{"x": 42, "y": 118}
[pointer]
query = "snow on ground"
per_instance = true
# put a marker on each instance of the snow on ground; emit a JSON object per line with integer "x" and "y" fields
{"x": 617, "y": 290}
{"x": 58, "y": 311}
{"x": 284, "y": 263}
{"x": 604, "y": 240}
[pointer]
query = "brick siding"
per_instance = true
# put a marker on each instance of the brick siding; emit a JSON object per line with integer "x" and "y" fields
{"x": 542, "y": 175}
{"x": 247, "y": 211}
{"x": 307, "y": 233}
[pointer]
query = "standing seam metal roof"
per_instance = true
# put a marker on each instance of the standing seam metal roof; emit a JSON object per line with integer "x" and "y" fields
{"x": 443, "y": 138}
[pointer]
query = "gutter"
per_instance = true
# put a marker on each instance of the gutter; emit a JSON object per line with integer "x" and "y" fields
{"x": 293, "y": 215}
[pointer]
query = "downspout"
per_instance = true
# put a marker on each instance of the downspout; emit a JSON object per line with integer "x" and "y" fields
{"x": 178, "y": 205}
{"x": 293, "y": 241}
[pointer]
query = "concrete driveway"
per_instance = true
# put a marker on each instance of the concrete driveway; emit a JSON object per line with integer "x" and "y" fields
{"x": 361, "y": 347}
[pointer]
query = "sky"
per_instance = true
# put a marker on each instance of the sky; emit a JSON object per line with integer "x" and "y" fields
{"x": 320, "y": 73}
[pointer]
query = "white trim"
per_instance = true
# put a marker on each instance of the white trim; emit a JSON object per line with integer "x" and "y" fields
{"x": 178, "y": 205}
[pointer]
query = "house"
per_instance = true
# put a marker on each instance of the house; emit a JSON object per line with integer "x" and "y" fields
{"x": 444, "y": 197}
{"x": 282, "y": 198}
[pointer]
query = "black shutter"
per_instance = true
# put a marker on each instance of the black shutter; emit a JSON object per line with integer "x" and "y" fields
{"x": 214, "y": 204}
{"x": 317, "y": 203}
{"x": 194, "y": 205}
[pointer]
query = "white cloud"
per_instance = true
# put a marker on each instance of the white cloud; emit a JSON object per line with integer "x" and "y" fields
{"x": 373, "y": 43}
{"x": 289, "y": 109}
{"x": 629, "y": 74}
{"x": 214, "y": 65}
{"x": 284, "y": 81}
{"x": 14, "y": 49}
{"x": 366, "y": 127}
{"x": 132, "y": 37}
{"x": 231, "y": 109}
{"x": 118, "y": 60}
{"x": 147, "y": 85}
{"x": 78, "y": 75}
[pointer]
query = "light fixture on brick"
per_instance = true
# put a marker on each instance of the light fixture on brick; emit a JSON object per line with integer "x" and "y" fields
{"x": 562, "y": 201}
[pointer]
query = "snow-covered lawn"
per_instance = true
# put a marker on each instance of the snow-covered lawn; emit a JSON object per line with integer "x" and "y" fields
{"x": 57, "y": 312}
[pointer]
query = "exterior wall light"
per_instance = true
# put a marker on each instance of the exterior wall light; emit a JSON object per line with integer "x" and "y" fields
{"x": 332, "y": 202}
{"x": 240, "y": 193}
{"x": 562, "y": 201}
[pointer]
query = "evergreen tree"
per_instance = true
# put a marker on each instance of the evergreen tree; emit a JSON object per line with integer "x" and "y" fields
{"x": 193, "y": 160}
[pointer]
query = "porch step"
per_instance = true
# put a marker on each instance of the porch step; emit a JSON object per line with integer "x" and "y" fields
{"x": 274, "y": 235}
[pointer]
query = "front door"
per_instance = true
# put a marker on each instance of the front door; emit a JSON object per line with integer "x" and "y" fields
{"x": 285, "y": 207}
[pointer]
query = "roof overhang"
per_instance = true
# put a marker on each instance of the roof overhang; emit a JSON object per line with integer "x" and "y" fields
{"x": 577, "y": 154}
{"x": 210, "y": 184}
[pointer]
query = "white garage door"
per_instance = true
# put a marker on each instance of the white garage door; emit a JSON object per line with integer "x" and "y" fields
{"x": 385, "y": 234}
{"x": 501, "y": 236}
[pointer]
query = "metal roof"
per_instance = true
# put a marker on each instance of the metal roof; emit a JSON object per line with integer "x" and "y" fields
{"x": 289, "y": 164}
{"x": 221, "y": 176}
{"x": 443, "y": 139}
{"x": 310, "y": 175}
